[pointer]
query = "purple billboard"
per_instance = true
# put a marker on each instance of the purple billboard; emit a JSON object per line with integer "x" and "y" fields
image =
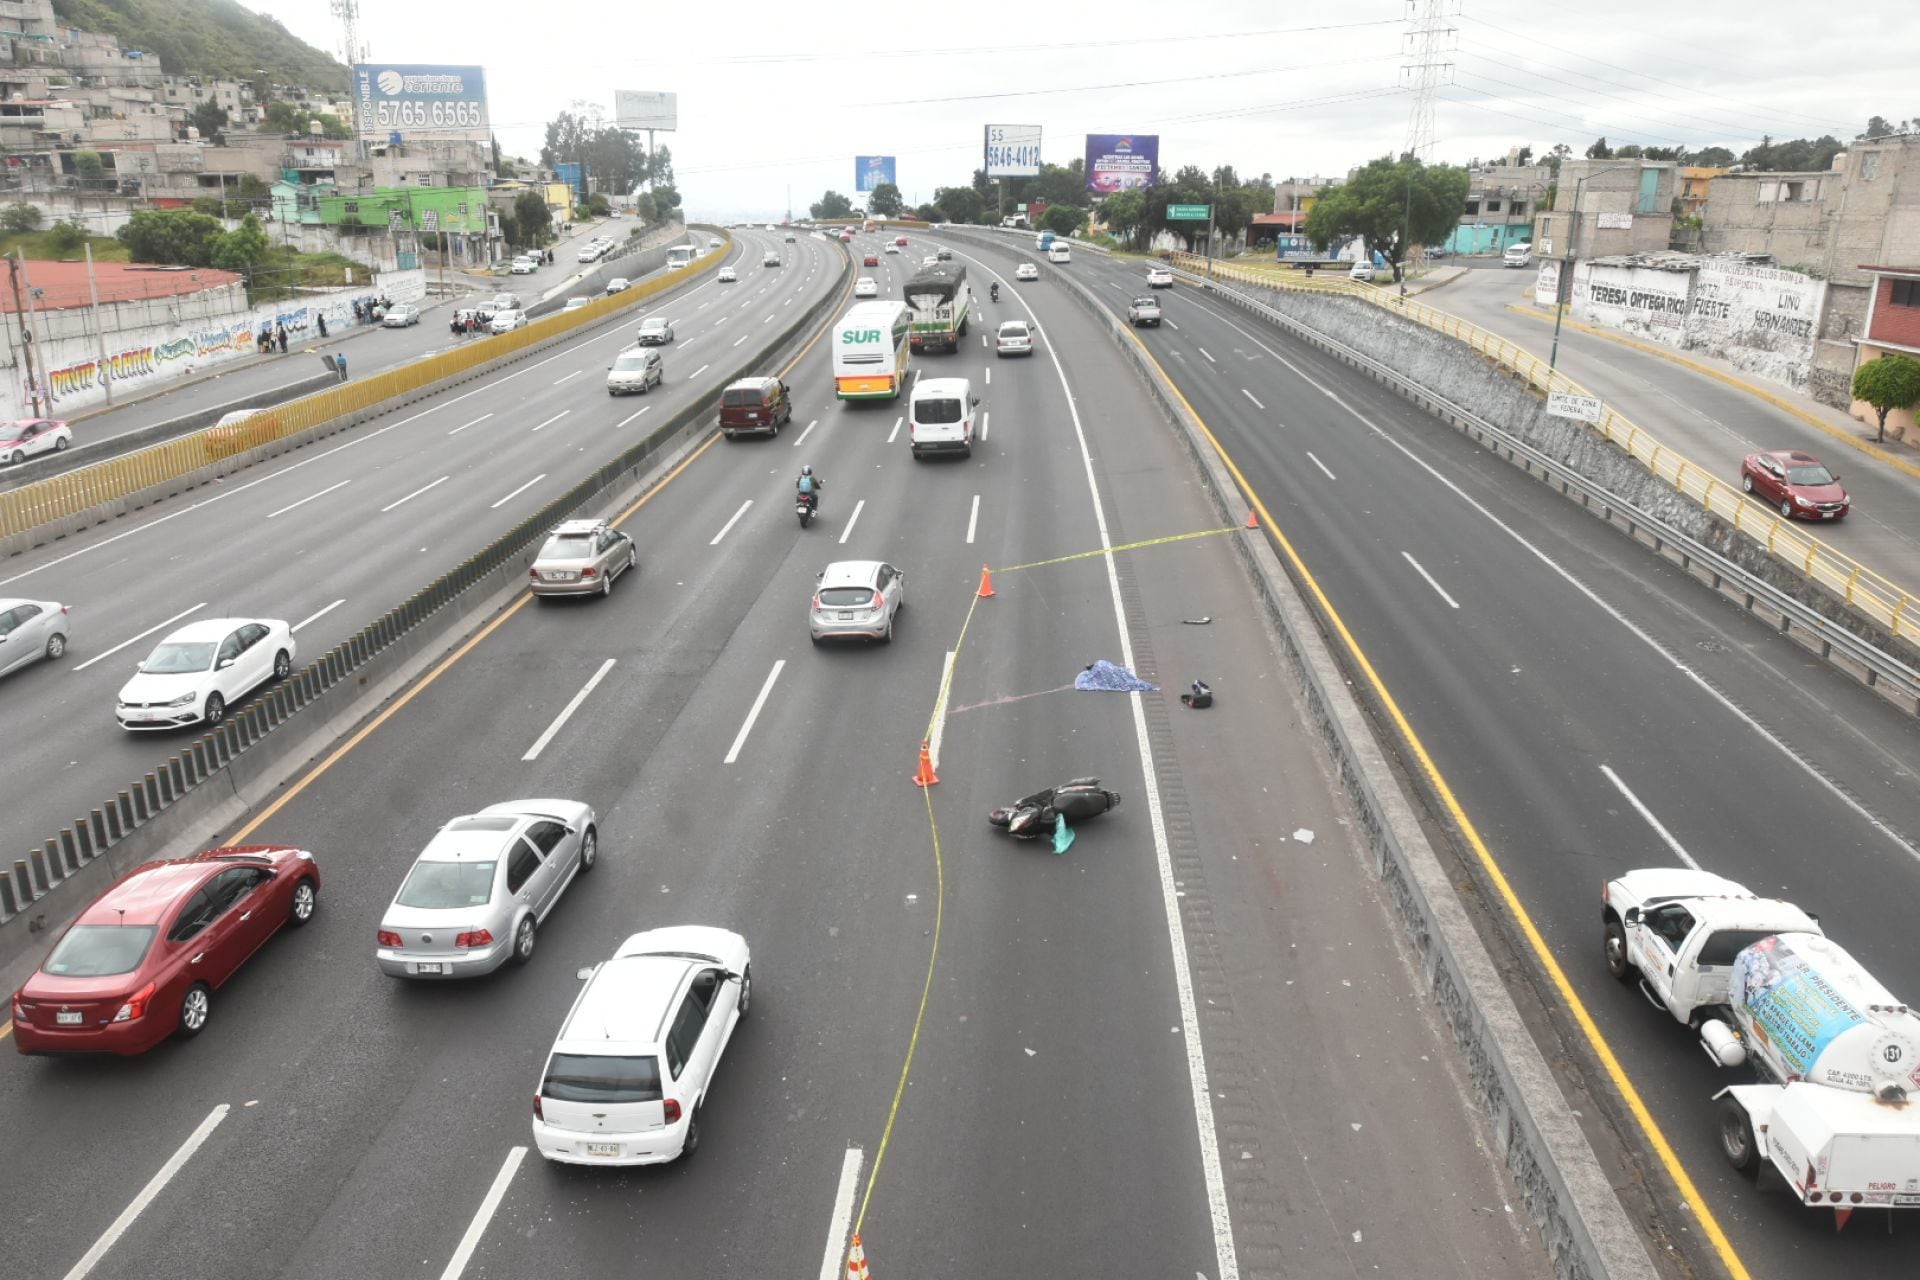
{"x": 1121, "y": 161}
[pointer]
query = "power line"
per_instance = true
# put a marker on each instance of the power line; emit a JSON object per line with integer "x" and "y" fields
{"x": 1582, "y": 121}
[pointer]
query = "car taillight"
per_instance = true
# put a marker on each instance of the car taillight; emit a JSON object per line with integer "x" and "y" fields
{"x": 388, "y": 938}
{"x": 477, "y": 938}
{"x": 136, "y": 1007}
{"x": 587, "y": 572}
{"x": 534, "y": 574}
{"x": 816, "y": 604}
{"x": 538, "y": 1114}
{"x": 671, "y": 1110}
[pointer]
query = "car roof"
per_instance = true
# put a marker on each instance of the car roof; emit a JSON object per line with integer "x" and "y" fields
{"x": 1790, "y": 455}
{"x": 1013, "y": 324}
{"x": 209, "y": 629}
{"x": 476, "y": 836}
{"x": 929, "y": 388}
{"x": 575, "y": 528}
{"x": 850, "y": 573}
{"x": 657, "y": 321}
{"x": 147, "y": 893}
{"x": 627, "y": 1001}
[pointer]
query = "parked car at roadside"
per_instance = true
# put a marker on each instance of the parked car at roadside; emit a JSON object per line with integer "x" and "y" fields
{"x": 402, "y": 315}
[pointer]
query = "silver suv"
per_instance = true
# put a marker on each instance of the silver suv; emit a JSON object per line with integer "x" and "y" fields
{"x": 582, "y": 557}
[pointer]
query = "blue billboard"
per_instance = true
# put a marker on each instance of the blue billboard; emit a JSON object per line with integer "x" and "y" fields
{"x": 415, "y": 100}
{"x": 1121, "y": 161}
{"x": 870, "y": 171}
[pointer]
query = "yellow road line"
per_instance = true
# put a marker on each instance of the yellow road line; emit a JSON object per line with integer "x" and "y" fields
{"x": 1781, "y": 403}
{"x": 1689, "y": 1193}
{"x": 1129, "y": 546}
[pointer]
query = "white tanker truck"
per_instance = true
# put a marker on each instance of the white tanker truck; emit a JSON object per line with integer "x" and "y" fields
{"x": 1837, "y": 1054}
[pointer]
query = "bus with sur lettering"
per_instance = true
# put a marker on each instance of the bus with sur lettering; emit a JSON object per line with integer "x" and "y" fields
{"x": 870, "y": 351}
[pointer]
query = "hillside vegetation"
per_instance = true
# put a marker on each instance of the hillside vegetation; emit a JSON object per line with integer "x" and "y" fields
{"x": 208, "y": 38}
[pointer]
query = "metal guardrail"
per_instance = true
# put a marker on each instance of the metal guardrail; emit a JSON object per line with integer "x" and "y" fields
{"x": 1883, "y": 668}
{"x": 1876, "y": 596}
{"x": 43, "y": 869}
{"x": 59, "y": 497}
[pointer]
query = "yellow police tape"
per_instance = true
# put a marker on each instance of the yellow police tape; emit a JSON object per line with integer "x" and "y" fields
{"x": 1125, "y": 546}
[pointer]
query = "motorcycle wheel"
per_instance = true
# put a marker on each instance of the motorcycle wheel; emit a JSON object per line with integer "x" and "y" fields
{"x": 999, "y": 817}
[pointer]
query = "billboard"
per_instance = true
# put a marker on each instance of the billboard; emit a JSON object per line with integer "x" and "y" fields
{"x": 639, "y": 109}
{"x": 1121, "y": 161}
{"x": 870, "y": 171}
{"x": 1013, "y": 151}
{"x": 412, "y": 99}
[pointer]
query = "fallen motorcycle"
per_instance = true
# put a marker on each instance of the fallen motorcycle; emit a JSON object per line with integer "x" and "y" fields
{"x": 1033, "y": 817}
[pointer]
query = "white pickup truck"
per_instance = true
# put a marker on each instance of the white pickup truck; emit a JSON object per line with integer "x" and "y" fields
{"x": 1836, "y": 1053}
{"x": 1144, "y": 310}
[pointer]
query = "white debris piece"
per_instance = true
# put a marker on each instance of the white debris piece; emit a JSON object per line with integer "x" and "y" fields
{"x": 1303, "y": 835}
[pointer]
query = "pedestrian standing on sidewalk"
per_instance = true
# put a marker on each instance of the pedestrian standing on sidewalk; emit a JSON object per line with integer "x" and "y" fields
{"x": 322, "y": 322}
{"x": 280, "y": 337}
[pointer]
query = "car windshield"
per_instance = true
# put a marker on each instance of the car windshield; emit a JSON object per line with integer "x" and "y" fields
{"x": 1809, "y": 475}
{"x": 935, "y": 412}
{"x": 568, "y": 546}
{"x": 443, "y": 886}
{"x": 178, "y": 659}
{"x": 592, "y": 1077}
{"x": 100, "y": 950}
{"x": 1013, "y": 329}
{"x": 845, "y": 597}
{"x": 653, "y": 325}
{"x": 625, "y": 364}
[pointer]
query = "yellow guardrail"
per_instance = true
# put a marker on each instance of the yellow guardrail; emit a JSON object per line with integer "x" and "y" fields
{"x": 1876, "y": 596}
{"x": 61, "y": 496}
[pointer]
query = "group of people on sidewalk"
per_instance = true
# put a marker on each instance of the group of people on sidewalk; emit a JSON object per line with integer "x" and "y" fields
{"x": 365, "y": 309}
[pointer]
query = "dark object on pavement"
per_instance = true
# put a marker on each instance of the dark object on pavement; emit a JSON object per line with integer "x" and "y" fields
{"x": 1031, "y": 817}
{"x": 1198, "y": 622}
{"x": 1200, "y": 698}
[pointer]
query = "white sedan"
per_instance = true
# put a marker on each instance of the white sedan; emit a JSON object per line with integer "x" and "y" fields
{"x": 727, "y": 275}
{"x": 1026, "y": 271}
{"x": 523, "y": 266}
{"x": 201, "y": 670}
{"x": 893, "y": 248}
{"x": 24, "y": 437}
{"x": 1159, "y": 278}
{"x": 401, "y": 316}
{"x": 618, "y": 284}
{"x": 866, "y": 287}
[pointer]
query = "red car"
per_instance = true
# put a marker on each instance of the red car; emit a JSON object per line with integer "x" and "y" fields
{"x": 1797, "y": 483}
{"x": 871, "y": 260}
{"x": 901, "y": 241}
{"x": 144, "y": 959}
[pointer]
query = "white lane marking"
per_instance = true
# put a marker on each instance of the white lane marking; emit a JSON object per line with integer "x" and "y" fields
{"x": 629, "y": 418}
{"x": 463, "y": 426}
{"x": 517, "y": 492}
{"x": 155, "y": 1185}
{"x": 489, "y": 1205}
{"x": 1321, "y": 465}
{"x": 768, "y": 319}
{"x": 1203, "y": 351}
{"x": 1226, "y": 1258}
{"x": 983, "y": 424}
{"x": 1249, "y": 395}
{"x": 576, "y": 373}
{"x": 1171, "y": 325}
{"x": 742, "y": 338}
{"x": 416, "y": 493}
{"x": 974, "y": 519}
{"x": 309, "y": 498}
{"x": 555, "y": 418}
{"x": 1566, "y": 575}
{"x": 702, "y": 369}
{"x": 143, "y": 635}
{"x": 566, "y": 714}
{"x": 989, "y": 375}
{"x": 940, "y": 711}
{"x": 848, "y": 531}
{"x": 896, "y": 429}
{"x": 727, "y": 527}
{"x": 804, "y": 434}
{"x": 832, "y": 1262}
{"x": 753, "y": 713}
{"x": 315, "y": 617}
{"x": 1659, "y": 829}
{"x": 1422, "y": 571}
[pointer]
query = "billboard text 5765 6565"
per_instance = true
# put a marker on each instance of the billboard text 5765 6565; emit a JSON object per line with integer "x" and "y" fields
{"x": 425, "y": 101}
{"x": 1121, "y": 161}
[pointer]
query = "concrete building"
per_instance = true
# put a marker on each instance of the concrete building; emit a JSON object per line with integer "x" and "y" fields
{"x": 1296, "y": 195}
{"x": 1501, "y": 202}
{"x": 1892, "y": 328}
{"x": 1609, "y": 208}
{"x": 1695, "y": 180}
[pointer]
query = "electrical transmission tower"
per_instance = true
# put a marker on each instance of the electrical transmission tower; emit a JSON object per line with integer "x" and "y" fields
{"x": 348, "y": 12}
{"x": 1429, "y": 36}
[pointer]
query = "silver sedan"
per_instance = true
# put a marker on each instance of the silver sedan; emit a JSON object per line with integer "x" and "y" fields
{"x": 479, "y": 891}
{"x": 30, "y": 629}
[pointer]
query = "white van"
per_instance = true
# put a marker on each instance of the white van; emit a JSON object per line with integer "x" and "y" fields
{"x": 940, "y": 417}
{"x": 1518, "y": 255}
{"x": 1058, "y": 252}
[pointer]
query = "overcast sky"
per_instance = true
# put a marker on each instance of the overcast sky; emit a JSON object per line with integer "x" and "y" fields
{"x": 779, "y": 97}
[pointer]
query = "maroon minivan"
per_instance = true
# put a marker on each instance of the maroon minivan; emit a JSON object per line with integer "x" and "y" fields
{"x": 759, "y": 405}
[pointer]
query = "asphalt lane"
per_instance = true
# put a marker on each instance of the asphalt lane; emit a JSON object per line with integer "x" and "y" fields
{"x": 347, "y": 529}
{"x": 381, "y": 1113}
{"x": 1541, "y": 701}
{"x": 1710, "y": 422}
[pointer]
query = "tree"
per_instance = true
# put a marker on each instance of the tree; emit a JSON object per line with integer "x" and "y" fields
{"x": 509, "y": 229}
{"x": 616, "y": 161}
{"x": 1889, "y": 383}
{"x": 1713, "y": 158}
{"x": 567, "y": 136}
{"x": 67, "y": 236}
{"x": 665, "y": 201}
{"x": 928, "y": 213}
{"x": 1524, "y": 155}
{"x": 209, "y": 118}
{"x": 20, "y": 216}
{"x": 533, "y": 218}
{"x": 1600, "y": 150}
{"x": 179, "y": 237}
{"x": 1063, "y": 219}
{"x": 242, "y": 249}
{"x": 1795, "y": 155}
{"x": 250, "y": 187}
{"x": 1385, "y": 197}
{"x": 89, "y": 168}
{"x": 960, "y": 204}
{"x": 831, "y": 205}
{"x": 885, "y": 201}
{"x": 1125, "y": 212}
{"x": 660, "y": 168}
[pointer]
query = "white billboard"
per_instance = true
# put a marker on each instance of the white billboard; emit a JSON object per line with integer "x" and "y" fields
{"x": 638, "y": 109}
{"x": 1013, "y": 151}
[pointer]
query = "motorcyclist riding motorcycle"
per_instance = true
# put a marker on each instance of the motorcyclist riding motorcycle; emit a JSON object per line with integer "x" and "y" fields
{"x": 808, "y": 486}
{"x": 993, "y": 291}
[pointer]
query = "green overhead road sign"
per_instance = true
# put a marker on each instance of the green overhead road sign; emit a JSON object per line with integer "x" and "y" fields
{"x": 1189, "y": 212}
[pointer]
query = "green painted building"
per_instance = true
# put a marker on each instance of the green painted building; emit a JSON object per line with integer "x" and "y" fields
{"x": 459, "y": 209}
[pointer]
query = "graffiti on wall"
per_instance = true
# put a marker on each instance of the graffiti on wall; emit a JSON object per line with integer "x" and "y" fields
{"x": 1762, "y": 320}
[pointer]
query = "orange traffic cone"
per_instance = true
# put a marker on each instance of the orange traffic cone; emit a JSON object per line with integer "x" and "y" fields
{"x": 923, "y": 776}
{"x": 1253, "y": 519}
{"x": 986, "y": 583}
{"x": 857, "y": 1261}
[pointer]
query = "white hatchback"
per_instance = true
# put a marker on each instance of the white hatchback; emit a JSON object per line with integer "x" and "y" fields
{"x": 866, "y": 287}
{"x": 625, "y": 1079}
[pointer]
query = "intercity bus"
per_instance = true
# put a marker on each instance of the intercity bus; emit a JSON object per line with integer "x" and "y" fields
{"x": 870, "y": 351}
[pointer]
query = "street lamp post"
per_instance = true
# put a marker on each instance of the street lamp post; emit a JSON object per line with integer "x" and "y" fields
{"x": 1565, "y": 284}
